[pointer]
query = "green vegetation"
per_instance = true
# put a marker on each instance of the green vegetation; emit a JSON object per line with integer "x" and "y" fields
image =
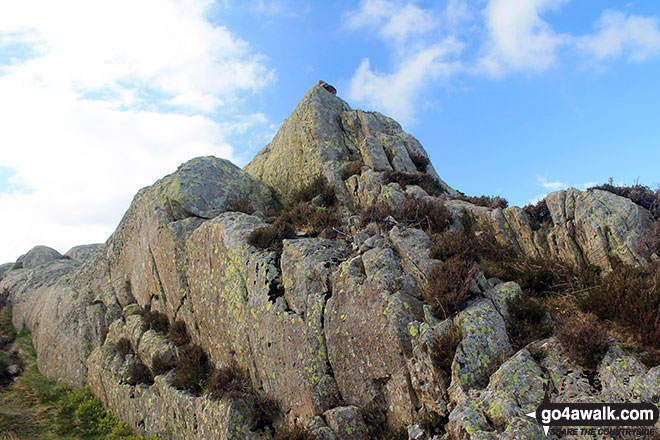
{"x": 427, "y": 214}
{"x": 584, "y": 338}
{"x": 445, "y": 348}
{"x": 538, "y": 214}
{"x": 293, "y": 434}
{"x": 448, "y": 287}
{"x": 313, "y": 209}
{"x": 35, "y": 407}
{"x": 492, "y": 202}
{"x": 155, "y": 321}
{"x": 629, "y": 296}
{"x": 271, "y": 236}
{"x": 178, "y": 334}
{"x": 124, "y": 347}
{"x": 229, "y": 381}
{"x": 649, "y": 242}
{"x": 528, "y": 320}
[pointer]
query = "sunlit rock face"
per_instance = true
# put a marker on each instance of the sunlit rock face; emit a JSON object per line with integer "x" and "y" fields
{"x": 334, "y": 330}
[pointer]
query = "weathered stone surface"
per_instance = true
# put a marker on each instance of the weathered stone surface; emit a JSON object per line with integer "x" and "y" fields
{"x": 625, "y": 379}
{"x": 591, "y": 226}
{"x": 160, "y": 409}
{"x": 37, "y": 256}
{"x": 413, "y": 246}
{"x": 5, "y": 268}
{"x": 514, "y": 390}
{"x": 66, "y": 322}
{"x": 200, "y": 189}
{"x": 481, "y": 350}
{"x": 83, "y": 252}
{"x": 368, "y": 342}
{"x": 319, "y": 429}
{"x": 428, "y": 381}
{"x": 322, "y": 135}
{"x": 239, "y": 313}
{"x": 467, "y": 421}
{"x": 306, "y": 267}
{"x": 347, "y": 422}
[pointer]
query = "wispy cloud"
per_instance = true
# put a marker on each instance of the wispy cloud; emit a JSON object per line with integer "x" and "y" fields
{"x": 618, "y": 34}
{"x": 112, "y": 97}
{"x": 421, "y": 54}
{"x": 396, "y": 93}
{"x": 493, "y": 38}
{"x": 518, "y": 38}
{"x": 549, "y": 185}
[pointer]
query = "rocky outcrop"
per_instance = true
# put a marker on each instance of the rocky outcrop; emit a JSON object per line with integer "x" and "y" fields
{"x": 323, "y": 136}
{"x": 334, "y": 332}
{"x": 37, "y": 256}
{"x": 84, "y": 252}
{"x": 585, "y": 227}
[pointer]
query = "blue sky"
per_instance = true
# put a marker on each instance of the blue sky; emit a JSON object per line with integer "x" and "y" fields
{"x": 509, "y": 97}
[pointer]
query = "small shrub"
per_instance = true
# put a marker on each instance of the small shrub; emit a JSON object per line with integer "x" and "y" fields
{"x": 425, "y": 181}
{"x": 270, "y": 237}
{"x": 492, "y": 202}
{"x": 428, "y": 214}
{"x": 649, "y": 242}
{"x": 178, "y": 334}
{"x": 420, "y": 161}
{"x": 487, "y": 246}
{"x": 450, "y": 244}
{"x": 155, "y": 321}
{"x": 538, "y": 214}
{"x": 542, "y": 277}
{"x": 445, "y": 349}
{"x": 241, "y": 205}
{"x": 584, "y": 339}
{"x": 448, "y": 286}
{"x": 375, "y": 213}
{"x": 629, "y": 295}
{"x": 319, "y": 186}
{"x": 138, "y": 373}
{"x": 124, "y": 347}
{"x": 351, "y": 169}
{"x": 192, "y": 369}
{"x": 527, "y": 320}
{"x": 7, "y": 331}
{"x": 229, "y": 381}
{"x": 651, "y": 358}
{"x": 159, "y": 365}
{"x": 305, "y": 215}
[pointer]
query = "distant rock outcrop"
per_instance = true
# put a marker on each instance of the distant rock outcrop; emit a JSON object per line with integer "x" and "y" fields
{"x": 333, "y": 333}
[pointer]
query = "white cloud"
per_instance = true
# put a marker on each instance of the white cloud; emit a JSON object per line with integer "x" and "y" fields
{"x": 115, "y": 96}
{"x": 396, "y": 93}
{"x": 617, "y": 34}
{"x": 518, "y": 39}
{"x": 393, "y": 20}
{"x": 421, "y": 54}
{"x": 552, "y": 186}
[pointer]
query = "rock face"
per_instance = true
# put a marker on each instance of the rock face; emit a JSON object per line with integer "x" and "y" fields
{"x": 334, "y": 333}
{"x": 84, "y": 252}
{"x": 37, "y": 256}
{"x": 592, "y": 227}
{"x": 323, "y": 135}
